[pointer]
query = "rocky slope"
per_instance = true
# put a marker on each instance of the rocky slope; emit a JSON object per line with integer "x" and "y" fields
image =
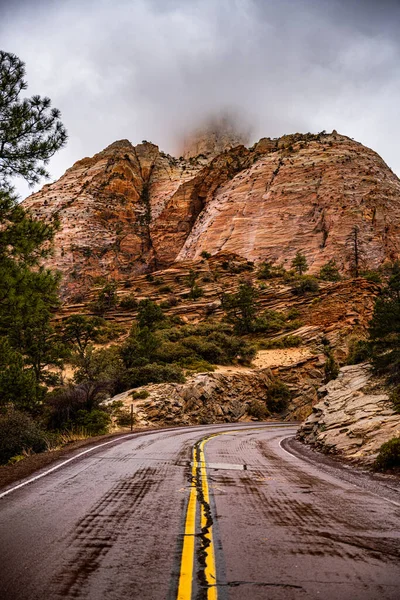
{"x": 351, "y": 420}
{"x": 203, "y": 398}
{"x": 133, "y": 209}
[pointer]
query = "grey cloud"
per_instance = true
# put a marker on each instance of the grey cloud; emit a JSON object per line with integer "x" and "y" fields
{"x": 152, "y": 69}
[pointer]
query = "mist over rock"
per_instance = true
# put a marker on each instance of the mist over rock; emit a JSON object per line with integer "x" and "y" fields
{"x": 217, "y": 134}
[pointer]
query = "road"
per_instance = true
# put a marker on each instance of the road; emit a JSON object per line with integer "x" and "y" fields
{"x": 200, "y": 513}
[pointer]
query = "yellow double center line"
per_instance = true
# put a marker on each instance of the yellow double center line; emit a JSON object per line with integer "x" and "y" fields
{"x": 199, "y": 494}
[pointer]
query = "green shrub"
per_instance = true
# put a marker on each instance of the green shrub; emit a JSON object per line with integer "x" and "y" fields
{"x": 359, "y": 351}
{"x": 269, "y": 322}
{"x": 373, "y": 276}
{"x": 389, "y": 455}
{"x": 142, "y": 395}
{"x": 150, "y": 314}
{"x": 331, "y": 368}
{"x": 289, "y": 341}
{"x": 258, "y": 410}
{"x": 106, "y": 299}
{"x": 329, "y": 271}
{"x": 123, "y": 418}
{"x": 95, "y": 422}
{"x": 278, "y": 396}
{"x": 154, "y": 373}
{"x": 267, "y": 270}
{"x": 128, "y": 302}
{"x": 19, "y": 434}
{"x": 394, "y": 398}
{"x": 305, "y": 284}
{"x": 205, "y": 254}
{"x": 165, "y": 289}
{"x": 196, "y": 292}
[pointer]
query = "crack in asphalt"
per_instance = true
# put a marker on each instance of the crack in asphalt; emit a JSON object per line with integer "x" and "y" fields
{"x": 205, "y": 535}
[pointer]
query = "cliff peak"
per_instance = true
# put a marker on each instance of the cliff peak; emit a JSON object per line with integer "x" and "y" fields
{"x": 215, "y": 135}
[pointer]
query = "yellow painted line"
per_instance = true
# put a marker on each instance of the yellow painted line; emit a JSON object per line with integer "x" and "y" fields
{"x": 187, "y": 561}
{"x": 185, "y": 585}
{"x": 210, "y": 570}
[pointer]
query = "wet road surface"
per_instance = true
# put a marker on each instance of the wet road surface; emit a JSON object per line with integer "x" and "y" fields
{"x": 191, "y": 515}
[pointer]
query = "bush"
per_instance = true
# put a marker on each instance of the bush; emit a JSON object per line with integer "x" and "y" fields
{"x": 359, "y": 352}
{"x": 389, "y": 455}
{"x": 289, "y": 341}
{"x": 196, "y": 292}
{"x": 329, "y": 271}
{"x": 305, "y": 284}
{"x": 258, "y": 410}
{"x": 278, "y": 396}
{"x": 331, "y": 368}
{"x": 394, "y": 398}
{"x": 106, "y": 299}
{"x": 19, "y": 434}
{"x": 372, "y": 276}
{"x": 165, "y": 289}
{"x": 129, "y": 302}
{"x": 142, "y": 395}
{"x": 267, "y": 270}
{"x": 154, "y": 373}
{"x": 95, "y": 422}
{"x": 205, "y": 254}
{"x": 269, "y": 322}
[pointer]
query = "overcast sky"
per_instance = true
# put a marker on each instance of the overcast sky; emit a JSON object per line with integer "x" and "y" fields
{"x": 152, "y": 69}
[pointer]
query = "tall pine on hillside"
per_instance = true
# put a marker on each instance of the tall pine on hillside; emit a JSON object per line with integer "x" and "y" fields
{"x": 30, "y": 133}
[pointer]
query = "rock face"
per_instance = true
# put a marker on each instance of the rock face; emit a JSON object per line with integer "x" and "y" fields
{"x": 203, "y": 398}
{"x": 351, "y": 420}
{"x": 133, "y": 209}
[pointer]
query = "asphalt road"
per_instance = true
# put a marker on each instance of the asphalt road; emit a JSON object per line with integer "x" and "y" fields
{"x": 187, "y": 514}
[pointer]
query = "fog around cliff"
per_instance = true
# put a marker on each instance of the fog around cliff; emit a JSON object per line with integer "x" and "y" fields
{"x": 154, "y": 69}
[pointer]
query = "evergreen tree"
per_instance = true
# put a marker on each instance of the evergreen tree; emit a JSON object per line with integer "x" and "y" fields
{"x": 384, "y": 328}
{"x": 299, "y": 263}
{"x": 30, "y": 133}
{"x": 30, "y": 130}
{"x": 355, "y": 251}
{"x": 329, "y": 271}
{"x": 241, "y": 308}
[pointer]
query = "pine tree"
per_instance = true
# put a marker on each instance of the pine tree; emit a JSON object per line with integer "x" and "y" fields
{"x": 30, "y": 133}
{"x": 241, "y": 308}
{"x": 30, "y": 130}
{"x": 384, "y": 328}
{"x": 300, "y": 263}
{"x": 355, "y": 251}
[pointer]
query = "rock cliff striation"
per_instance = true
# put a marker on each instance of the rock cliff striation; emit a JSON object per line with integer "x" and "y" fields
{"x": 133, "y": 209}
{"x": 351, "y": 420}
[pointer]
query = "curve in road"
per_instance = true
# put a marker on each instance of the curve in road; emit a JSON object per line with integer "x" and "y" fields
{"x": 191, "y": 514}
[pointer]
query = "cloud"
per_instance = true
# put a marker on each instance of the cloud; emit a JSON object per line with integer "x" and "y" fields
{"x": 153, "y": 69}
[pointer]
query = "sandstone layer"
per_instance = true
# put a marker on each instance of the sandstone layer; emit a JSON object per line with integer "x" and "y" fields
{"x": 351, "y": 420}
{"x": 133, "y": 209}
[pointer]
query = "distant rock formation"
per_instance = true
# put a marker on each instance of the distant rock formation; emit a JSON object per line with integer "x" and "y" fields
{"x": 133, "y": 209}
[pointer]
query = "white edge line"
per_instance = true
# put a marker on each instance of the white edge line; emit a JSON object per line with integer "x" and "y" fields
{"x": 359, "y": 487}
{"x": 32, "y": 479}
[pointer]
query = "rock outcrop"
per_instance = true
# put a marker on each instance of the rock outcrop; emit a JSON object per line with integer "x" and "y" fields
{"x": 133, "y": 209}
{"x": 203, "y": 398}
{"x": 351, "y": 420}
